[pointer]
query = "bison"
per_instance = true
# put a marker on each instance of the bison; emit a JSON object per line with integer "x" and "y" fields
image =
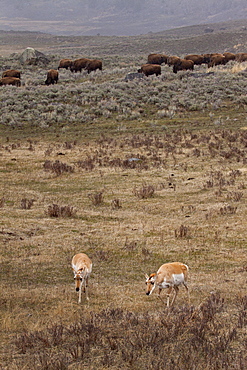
{"x": 10, "y": 81}
{"x": 150, "y": 69}
{"x": 52, "y": 77}
{"x": 11, "y": 73}
{"x": 65, "y": 63}
{"x": 93, "y": 65}
{"x": 172, "y": 60}
{"x": 241, "y": 57}
{"x": 196, "y": 58}
{"x": 79, "y": 64}
{"x": 216, "y": 59}
{"x": 183, "y": 65}
{"x": 229, "y": 56}
{"x": 157, "y": 58}
{"x": 206, "y": 58}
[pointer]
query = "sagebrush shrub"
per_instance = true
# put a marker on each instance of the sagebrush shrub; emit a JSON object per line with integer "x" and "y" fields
{"x": 145, "y": 191}
{"x": 55, "y": 210}
{"x": 97, "y": 198}
{"x": 57, "y": 167}
{"x": 117, "y": 338}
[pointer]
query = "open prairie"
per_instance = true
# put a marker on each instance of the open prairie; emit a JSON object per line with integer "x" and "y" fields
{"x": 134, "y": 174}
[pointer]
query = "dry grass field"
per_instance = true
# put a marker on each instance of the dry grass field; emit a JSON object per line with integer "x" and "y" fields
{"x": 134, "y": 174}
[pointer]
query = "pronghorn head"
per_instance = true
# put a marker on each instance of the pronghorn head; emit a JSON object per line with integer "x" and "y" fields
{"x": 150, "y": 282}
{"x": 79, "y": 277}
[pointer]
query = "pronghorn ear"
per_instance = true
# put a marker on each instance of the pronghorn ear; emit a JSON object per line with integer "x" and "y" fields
{"x": 146, "y": 276}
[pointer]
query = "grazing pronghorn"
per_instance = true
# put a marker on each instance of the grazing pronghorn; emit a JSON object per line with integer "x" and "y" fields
{"x": 170, "y": 276}
{"x": 82, "y": 267}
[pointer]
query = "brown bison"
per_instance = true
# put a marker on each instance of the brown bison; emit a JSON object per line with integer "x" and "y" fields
{"x": 172, "y": 60}
{"x": 79, "y": 64}
{"x": 207, "y": 57}
{"x": 11, "y": 73}
{"x": 93, "y": 65}
{"x": 10, "y": 81}
{"x": 241, "y": 57}
{"x": 52, "y": 77}
{"x": 65, "y": 63}
{"x": 183, "y": 65}
{"x": 157, "y": 58}
{"x": 196, "y": 58}
{"x": 216, "y": 59}
{"x": 150, "y": 69}
{"x": 229, "y": 56}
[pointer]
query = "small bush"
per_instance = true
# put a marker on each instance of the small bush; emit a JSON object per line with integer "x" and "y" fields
{"x": 61, "y": 211}
{"x": 228, "y": 210}
{"x": 116, "y": 204}
{"x": 236, "y": 196}
{"x": 182, "y": 232}
{"x": 96, "y": 198}
{"x": 57, "y": 167}
{"x": 26, "y": 203}
{"x": 144, "y": 192}
{"x": 87, "y": 164}
{"x": 2, "y": 202}
{"x": 130, "y": 246}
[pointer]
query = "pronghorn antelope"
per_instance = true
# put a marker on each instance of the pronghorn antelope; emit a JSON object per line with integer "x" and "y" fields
{"x": 82, "y": 267}
{"x": 170, "y": 276}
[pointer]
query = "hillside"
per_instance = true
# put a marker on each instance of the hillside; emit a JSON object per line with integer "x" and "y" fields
{"x": 230, "y": 36}
{"x": 115, "y": 17}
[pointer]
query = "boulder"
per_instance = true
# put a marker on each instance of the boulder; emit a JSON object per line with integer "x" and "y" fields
{"x": 133, "y": 75}
{"x": 32, "y": 56}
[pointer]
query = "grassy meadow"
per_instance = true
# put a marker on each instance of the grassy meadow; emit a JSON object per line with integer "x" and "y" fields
{"x": 135, "y": 174}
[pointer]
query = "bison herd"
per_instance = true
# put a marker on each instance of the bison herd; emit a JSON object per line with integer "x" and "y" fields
{"x": 188, "y": 62}
{"x": 152, "y": 67}
{"x": 13, "y": 77}
{"x": 83, "y": 63}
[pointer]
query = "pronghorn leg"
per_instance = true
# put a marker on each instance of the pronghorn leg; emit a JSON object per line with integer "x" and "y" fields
{"x": 79, "y": 301}
{"x": 160, "y": 296}
{"x": 168, "y": 297}
{"x": 175, "y": 294}
{"x": 86, "y": 289}
{"x": 186, "y": 287}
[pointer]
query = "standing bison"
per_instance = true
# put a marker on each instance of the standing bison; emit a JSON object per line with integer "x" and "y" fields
{"x": 52, "y": 77}
{"x": 196, "y": 58}
{"x": 216, "y": 59}
{"x": 65, "y": 63}
{"x": 183, "y": 65}
{"x": 157, "y": 58}
{"x": 10, "y": 81}
{"x": 229, "y": 56}
{"x": 241, "y": 57}
{"x": 11, "y": 73}
{"x": 79, "y": 64}
{"x": 172, "y": 60}
{"x": 93, "y": 65}
{"x": 150, "y": 69}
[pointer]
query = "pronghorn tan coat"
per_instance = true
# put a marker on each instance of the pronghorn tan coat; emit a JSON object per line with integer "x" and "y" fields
{"x": 82, "y": 267}
{"x": 169, "y": 276}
